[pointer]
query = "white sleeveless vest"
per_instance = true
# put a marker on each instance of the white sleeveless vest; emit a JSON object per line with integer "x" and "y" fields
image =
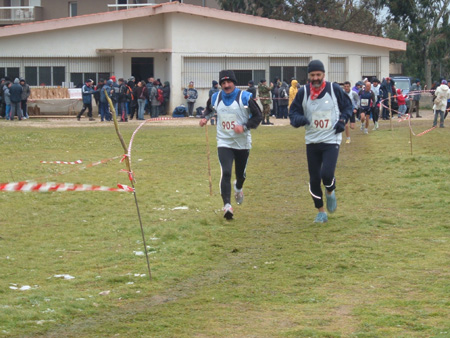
{"x": 227, "y": 118}
{"x": 322, "y": 115}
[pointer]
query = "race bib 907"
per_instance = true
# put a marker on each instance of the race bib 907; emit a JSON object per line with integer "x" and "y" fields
{"x": 321, "y": 120}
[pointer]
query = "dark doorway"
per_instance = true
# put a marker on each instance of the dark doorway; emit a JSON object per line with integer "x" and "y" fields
{"x": 142, "y": 68}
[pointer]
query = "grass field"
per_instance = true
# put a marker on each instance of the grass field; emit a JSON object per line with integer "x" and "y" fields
{"x": 379, "y": 268}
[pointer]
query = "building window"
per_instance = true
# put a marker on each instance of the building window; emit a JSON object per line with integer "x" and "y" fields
{"x": 244, "y": 76}
{"x": 104, "y": 76}
{"x": 76, "y": 79}
{"x": 31, "y": 75}
{"x": 275, "y": 73}
{"x": 258, "y": 75}
{"x": 73, "y": 8}
{"x": 202, "y": 69}
{"x": 59, "y": 76}
{"x": 13, "y": 73}
{"x": 337, "y": 69}
{"x": 370, "y": 67}
{"x": 45, "y": 76}
{"x": 287, "y": 73}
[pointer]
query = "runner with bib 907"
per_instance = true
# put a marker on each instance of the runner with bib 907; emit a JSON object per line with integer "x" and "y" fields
{"x": 324, "y": 109}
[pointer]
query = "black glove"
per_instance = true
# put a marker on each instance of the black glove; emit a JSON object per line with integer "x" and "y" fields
{"x": 339, "y": 126}
{"x": 299, "y": 121}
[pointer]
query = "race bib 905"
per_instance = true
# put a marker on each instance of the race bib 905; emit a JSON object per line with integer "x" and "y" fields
{"x": 227, "y": 122}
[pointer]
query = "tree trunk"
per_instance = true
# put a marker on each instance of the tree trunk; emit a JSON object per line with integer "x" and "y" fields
{"x": 427, "y": 67}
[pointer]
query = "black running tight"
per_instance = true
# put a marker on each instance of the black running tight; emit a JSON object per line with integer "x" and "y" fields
{"x": 322, "y": 159}
{"x": 226, "y": 157}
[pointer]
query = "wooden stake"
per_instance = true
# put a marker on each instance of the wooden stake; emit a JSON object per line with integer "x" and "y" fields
{"x": 130, "y": 176}
{"x": 390, "y": 110}
{"x": 209, "y": 162}
{"x": 410, "y": 140}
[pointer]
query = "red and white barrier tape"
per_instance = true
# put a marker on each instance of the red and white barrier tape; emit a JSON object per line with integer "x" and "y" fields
{"x": 49, "y": 186}
{"x": 62, "y": 162}
{"x": 403, "y": 118}
{"x": 139, "y": 127}
{"x": 424, "y": 132}
{"x": 101, "y": 161}
{"x": 408, "y": 118}
{"x": 125, "y": 187}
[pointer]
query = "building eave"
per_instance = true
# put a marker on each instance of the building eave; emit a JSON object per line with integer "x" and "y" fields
{"x": 109, "y": 51}
{"x": 176, "y": 7}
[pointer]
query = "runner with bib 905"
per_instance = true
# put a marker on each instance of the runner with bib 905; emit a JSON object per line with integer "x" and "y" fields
{"x": 237, "y": 113}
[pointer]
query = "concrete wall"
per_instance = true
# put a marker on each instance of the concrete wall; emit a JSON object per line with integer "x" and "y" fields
{"x": 144, "y": 33}
{"x": 221, "y": 37}
{"x": 186, "y": 34}
{"x": 80, "y": 41}
{"x": 55, "y": 9}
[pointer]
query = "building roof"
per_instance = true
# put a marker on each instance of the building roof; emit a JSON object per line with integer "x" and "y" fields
{"x": 176, "y": 7}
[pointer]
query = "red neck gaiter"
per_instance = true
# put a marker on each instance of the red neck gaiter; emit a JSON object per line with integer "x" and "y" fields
{"x": 315, "y": 92}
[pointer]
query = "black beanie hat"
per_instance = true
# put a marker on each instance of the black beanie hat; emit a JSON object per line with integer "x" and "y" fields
{"x": 227, "y": 75}
{"x": 214, "y": 83}
{"x": 316, "y": 65}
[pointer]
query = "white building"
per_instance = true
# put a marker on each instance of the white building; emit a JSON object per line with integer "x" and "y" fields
{"x": 179, "y": 42}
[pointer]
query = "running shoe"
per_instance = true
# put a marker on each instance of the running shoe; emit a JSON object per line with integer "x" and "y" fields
{"x": 366, "y": 131}
{"x": 362, "y": 127}
{"x": 331, "y": 202}
{"x": 228, "y": 211}
{"x": 348, "y": 140}
{"x": 376, "y": 126}
{"x": 321, "y": 217}
{"x": 238, "y": 194}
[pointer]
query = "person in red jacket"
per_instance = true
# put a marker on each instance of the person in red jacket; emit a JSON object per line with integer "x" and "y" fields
{"x": 401, "y": 100}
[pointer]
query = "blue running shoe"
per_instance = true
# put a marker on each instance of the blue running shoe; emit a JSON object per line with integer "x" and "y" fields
{"x": 331, "y": 202}
{"x": 321, "y": 218}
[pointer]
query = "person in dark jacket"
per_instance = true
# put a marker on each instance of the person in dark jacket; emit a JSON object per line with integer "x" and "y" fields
{"x": 214, "y": 88}
{"x": 16, "y": 98}
{"x": 25, "y": 95}
{"x": 155, "y": 103}
{"x": 252, "y": 89}
{"x": 275, "y": 97}
{"x": 2, "y": 100}
{"x": 104, "y": 105}
{"x": 166, "y": 94}
{"x": 323, "y": 109}
{"x": 86, "y": 94}
{"x": 387, "y": 89}
{"x": 283, "y": 100}
{"x": 142, "y": 97}
{"x": 7, "y": 100}
{"x": 131, "y": 97}
{"x": 122, "y": 101}
{"x": 115, "y": 94}
{"x": 96, "y": 95}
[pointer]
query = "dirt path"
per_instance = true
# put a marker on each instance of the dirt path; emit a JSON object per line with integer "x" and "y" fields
{"x": 71, "y": 121}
